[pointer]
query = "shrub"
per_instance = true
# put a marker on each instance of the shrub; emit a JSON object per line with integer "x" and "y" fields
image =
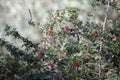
{"x": 69, "y": 49}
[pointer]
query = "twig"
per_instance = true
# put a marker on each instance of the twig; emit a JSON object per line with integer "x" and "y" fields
{"x": 106, "y": 15}
{"x": 100, "y": 59}
{"x": 30, "y": 14}
{"x": 101, "y": 43}
{"x": 115, "y": 7}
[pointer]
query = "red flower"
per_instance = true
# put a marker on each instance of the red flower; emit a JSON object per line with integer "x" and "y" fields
{"x": 50, "y": 64}
{"x": 38, "y": 54}
{"x": 92, "y": 35}
{"x": 75, "y": 63}
{"x": 50, "y": 31}
{"x": 66, "y": 29}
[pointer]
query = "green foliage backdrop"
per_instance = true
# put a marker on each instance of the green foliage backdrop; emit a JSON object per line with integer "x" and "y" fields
{"x": 69, "y": 49}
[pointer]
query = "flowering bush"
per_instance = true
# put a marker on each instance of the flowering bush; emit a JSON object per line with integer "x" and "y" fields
{"x": 69, "y": 49}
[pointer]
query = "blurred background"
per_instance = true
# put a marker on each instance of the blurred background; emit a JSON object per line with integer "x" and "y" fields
{"x": 15, "y": 13}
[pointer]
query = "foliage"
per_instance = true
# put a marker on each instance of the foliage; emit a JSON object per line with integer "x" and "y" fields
{"x": 69, "y": 49}
{"x": 115, "y": 4}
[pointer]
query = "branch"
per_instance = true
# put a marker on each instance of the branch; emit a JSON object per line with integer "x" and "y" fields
{"x": 30, "y": 14}
{"x": 116, "y": 7}
{"x": 101, "y": 43}
{"x": 106, "y": 15}
{"x": 100, "y": 59}
{"x": 26, "y": 42}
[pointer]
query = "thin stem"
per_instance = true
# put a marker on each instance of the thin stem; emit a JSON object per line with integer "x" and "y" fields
{"x": 45, "y": 41}
{"x": 100, "y": 59}
{"x": 106, "y": 15}
{"x": 30, "y": 14}
{"x": 101, "y": 44}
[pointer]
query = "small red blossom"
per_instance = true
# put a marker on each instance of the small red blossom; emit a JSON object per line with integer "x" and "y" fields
{"x": 50, "y": 31}
{"x": 51, "y": 65}
{"x": 38, "y": 54}
{"x": 66, "y": 29}
{"x": 75, "y": 64}
{"x": 92, "y": 35}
